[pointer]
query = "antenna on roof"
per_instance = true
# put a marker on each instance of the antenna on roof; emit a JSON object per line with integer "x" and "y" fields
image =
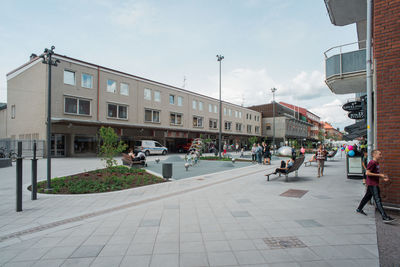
{"x": 184, "y": 82}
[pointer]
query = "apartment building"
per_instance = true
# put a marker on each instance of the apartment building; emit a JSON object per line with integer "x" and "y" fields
{"x": 346, "y": 73}
{"x": 288, "y": 124}
{"x": 86, "y": 96}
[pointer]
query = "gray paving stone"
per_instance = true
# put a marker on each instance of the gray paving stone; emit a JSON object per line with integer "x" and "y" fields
{"x": 137, "y": 261}
{"x": 193, "y": 260}
{"x": 191, "y": 237}
{"x": 214, "y": 236}
{"x": 235, "y": 235}
{"x": 249, "y": 257}
{"x": 221, "y": 258}
{"x": 78, "y": 262}
{"x": 19, "y": 264}
{"x": 140, "y": 249}
{"x": 87, "y": 252}
{"x": 240, "y": 213}
{"x": 59, "y": 252}
{"x": 106, "y": 261}
{"x": 276, "y": 256}
{"x": 31, "y": 254}
{"x": 166, "y": 248}
{"x": 114, "y": 250}
{"x": 150, "y": 223}
{"x": 49, "y": 263}
{"x": 343, "y": 263}
{"x": 192, "y": 247}
{"x": 314, "y": 264}
{"x": 217, "y": 246}
{"x": 165, "y": 260}
{"x": 309, "y": 223}
{"x": 238, "y": 245}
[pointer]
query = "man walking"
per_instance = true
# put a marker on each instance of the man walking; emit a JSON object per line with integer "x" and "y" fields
{"x": 373, "y": 175}
{"x": 320, "y": 156}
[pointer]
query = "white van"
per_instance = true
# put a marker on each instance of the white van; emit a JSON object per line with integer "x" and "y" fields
{"x": 150, "y": 147}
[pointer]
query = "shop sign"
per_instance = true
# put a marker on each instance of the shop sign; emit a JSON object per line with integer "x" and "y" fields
{"x": 357, "y": 115}
{"x": 352, "y": 106}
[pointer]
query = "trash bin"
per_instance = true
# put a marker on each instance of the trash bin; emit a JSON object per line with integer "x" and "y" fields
{"x": 167, "y": 170}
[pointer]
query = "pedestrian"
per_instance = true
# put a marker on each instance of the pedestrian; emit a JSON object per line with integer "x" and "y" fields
{"x": 302, "y": 151}
{"x": 267, "y": 154}
{"x": 253, "y": 153}
{"x": 242, "y": 152}
{"x": 294, "y": 155}
{"x": 373, "y": 175}
{"x": 259, "y": 153}
{"x": 237, "y": 147}
{"x": 364, "y": 162}
{"x": 225, "y": 146}
{"x": 320, "y": 156}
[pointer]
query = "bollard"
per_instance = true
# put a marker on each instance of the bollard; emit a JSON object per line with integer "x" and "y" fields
{"x": 34, "y": 174}
{"x": 19, "y": 177}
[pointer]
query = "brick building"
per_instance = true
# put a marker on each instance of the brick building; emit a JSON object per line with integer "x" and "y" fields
{"x": 346, "y": 73}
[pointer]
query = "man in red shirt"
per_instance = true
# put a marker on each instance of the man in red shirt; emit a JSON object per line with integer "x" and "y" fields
{"x": 373, "y": 175}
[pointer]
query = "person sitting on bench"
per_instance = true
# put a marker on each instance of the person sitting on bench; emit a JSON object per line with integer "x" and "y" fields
{"x": 285, "y": 166}
{"x": 139, "y": 156}
{"x": 131, "y": 154}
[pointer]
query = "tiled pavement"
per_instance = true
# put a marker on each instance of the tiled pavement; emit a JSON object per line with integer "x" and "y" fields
{"x": 224, "y": 219}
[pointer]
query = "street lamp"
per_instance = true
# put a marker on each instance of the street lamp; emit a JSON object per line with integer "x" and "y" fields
{"x": 273, "y": 90}
{"x": 47, "y": 59}
{"x": 220, "y": 58}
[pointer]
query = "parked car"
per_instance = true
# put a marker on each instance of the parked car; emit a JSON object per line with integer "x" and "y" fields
{"x": 149, "y": 147}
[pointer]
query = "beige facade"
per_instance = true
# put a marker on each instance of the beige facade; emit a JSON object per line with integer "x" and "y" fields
{"x": 86, "y": 96}
{"x": 3, "y": 123}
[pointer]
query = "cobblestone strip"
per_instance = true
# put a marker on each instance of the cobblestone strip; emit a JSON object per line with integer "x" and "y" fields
{"x": 117, "y": 208}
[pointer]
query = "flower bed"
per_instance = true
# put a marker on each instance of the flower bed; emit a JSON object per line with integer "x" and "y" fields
{"x": 102, "y": 180}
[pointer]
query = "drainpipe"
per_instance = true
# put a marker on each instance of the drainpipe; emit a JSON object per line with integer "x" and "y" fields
{"x": 369, "y": 79}
{"x": 98, "y": 91}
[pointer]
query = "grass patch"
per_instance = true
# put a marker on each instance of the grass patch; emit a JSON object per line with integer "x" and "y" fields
{"x": 98, "y": 181}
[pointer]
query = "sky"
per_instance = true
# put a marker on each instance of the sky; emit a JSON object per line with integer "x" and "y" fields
{"x": 265, "y": 44}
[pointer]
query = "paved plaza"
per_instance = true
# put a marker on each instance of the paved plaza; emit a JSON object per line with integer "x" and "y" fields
{"x": 228, "y": 218}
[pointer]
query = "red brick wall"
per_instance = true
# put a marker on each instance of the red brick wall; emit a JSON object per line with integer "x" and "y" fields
{"x": 386, "y": 32}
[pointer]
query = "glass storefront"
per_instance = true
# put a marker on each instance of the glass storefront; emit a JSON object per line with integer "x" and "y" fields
{"x": 84, "y": 144}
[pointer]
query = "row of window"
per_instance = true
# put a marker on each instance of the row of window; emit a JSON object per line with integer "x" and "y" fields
{"x": 87, "y": 82}
{"x": 256, "y": 117}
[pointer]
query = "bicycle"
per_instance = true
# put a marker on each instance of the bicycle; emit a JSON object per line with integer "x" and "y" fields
{"x": 10, "y": 154}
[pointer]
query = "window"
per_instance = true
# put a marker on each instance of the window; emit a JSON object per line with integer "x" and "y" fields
{"x": 213, "y": 124}
{"x": 157, "y": 96}
{"x": 228, "y": 125}
{"x": 257, "y": 129}
{"x": 250, "y": 117}
{"x": 13, "y": 112}
{"x": 210, "y": 108}
{"x": 236, "y": 114}
{"x": 268, "y": 126}
{"x": 176, "y": 119}
{"x": 151, "y": 115}
{"x": 172, "y": 99}
{"x": 249, "y": 128}
{"x": 200, "y": 105}
{"x": 76, "y": 106}
{"x": 117, "y": 111}
{"x": 87, "y": 80}
{"x": 147, "y": 94}
{"x": 124, "y": 89}
{"x": 225, "y": 111}
{"x": 240, "y": 114}
{"x": 69, "y": 77}
{"x": 180, "y": 101}
{"x": 215, "y": 109}
{"x": 247, "y": 116}
{"x": 194, "y": 104}
{"x": 197, "y": 121}
{"x": 238, "y": 127}
{"x": 111, "y": 86}
{"x": 229, "y": 112}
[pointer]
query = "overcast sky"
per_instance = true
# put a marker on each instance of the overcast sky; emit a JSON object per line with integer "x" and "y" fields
{"x": 266, "y": 43}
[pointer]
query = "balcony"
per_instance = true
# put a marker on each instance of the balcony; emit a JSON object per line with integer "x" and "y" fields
{"x": 346, "y": 70}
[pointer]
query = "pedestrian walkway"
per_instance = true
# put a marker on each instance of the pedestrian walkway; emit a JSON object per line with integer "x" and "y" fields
{"x": 231, "y": 218}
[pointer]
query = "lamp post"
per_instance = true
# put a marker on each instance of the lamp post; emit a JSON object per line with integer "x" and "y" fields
{"x": 273, "y": 90}
{"x": 47, "y": 59}
{"x": 220, "y": 58}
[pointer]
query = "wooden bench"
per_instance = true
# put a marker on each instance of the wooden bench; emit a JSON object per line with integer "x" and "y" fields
{"x": 294, "y": 168}
{"x": 127, "y": 161}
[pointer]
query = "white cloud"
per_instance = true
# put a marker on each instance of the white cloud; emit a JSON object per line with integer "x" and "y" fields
{"x": 131, "y": 14}
{"x": 332, "y": 112}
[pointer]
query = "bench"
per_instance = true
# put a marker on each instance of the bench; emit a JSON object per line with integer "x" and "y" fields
{"x": 127, "y": 161}
{"x": 294, "y": 168}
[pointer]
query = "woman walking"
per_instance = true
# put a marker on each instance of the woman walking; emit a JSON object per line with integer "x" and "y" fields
{"x": 320, "y": 156}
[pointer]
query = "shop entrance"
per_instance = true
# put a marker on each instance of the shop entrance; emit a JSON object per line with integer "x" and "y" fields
{"x": 58, "y": 145}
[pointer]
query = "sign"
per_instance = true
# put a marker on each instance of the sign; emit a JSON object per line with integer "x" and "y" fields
{"x": 352, "y": 106}
{"x": 354, "y": 166}
{"x": 356, "y": 115}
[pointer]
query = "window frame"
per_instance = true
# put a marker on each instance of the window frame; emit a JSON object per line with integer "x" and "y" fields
{"x": 197, "y": 124}
{"x": 212, "y": 121}
{"x": 115, "y": 89}
{"x": 226, "y": 123}
{"x": 194, "y": 104}
{"x": 173, "y": 99}
{"x": 180, "y": 104}
{"x": 144, "y": 94}
{"x": 78, "y": 99}
{"x": 238, "y": 124}
{"x": 118, "y": 111}
{"x": 201, "y": 104}
{"x": 91, "y": 84}
{"x": 152, "y": 115}
{"x": 70, "y": 71}
{"x": 13, "y": 111}
{"x": 158, "y": 98}
{"x": 176, "y": 114}
{"x": 120, "y": 88}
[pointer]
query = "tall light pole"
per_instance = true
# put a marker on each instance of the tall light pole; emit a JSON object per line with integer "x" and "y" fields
{"x": 273, "y": 90}
{"x": 220, "y": 58}
{"x": 47, "y": 59}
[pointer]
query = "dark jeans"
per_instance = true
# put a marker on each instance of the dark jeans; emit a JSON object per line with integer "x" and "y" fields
{"x": 253, "y": 157}
{"x": 282, "y": 168}
{"x": 373, "y": 192}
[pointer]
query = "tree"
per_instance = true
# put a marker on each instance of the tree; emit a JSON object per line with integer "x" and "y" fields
{"x": 111, "y": 145}
{"x": 253, "y": 140}
{"x": 321, "y": 136}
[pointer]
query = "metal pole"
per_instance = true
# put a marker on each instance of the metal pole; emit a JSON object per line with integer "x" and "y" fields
{"x": 49, "y": 129}
{"x": 273, "y": 115}
{"x": 369, "y": 80}
{"x": 220, "y": 58}
{"x": 34, "y": 174}
{"x": 19, "y": 178}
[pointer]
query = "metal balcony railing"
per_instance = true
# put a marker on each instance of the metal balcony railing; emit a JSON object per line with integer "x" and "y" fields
{"x": 340, "y": 61}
